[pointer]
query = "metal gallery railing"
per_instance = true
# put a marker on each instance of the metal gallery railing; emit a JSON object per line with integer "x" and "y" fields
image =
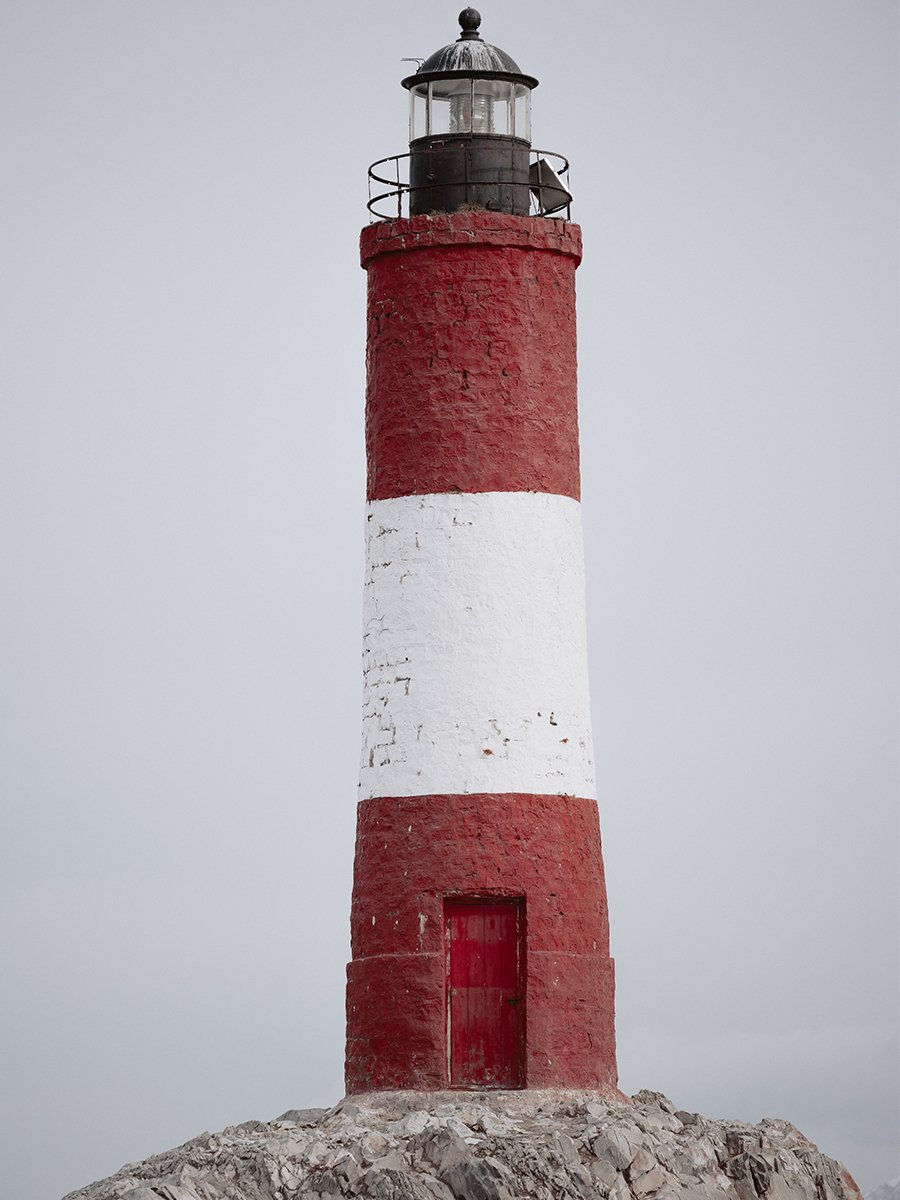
{"x": 548, "y": 186}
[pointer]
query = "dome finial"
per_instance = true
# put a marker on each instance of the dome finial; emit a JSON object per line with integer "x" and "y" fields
{"x": 470, "y": 19}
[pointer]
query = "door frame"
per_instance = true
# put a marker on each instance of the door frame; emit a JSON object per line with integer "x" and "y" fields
{"x": 518, "y": 902}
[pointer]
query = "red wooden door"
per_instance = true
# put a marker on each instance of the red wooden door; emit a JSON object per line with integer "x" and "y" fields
{"x": 485, "y": 1005}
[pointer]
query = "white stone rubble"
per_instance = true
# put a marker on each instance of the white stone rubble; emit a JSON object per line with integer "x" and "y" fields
{"x": 488, "y": 1146}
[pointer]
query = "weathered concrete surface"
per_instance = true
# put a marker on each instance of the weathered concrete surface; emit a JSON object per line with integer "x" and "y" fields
{"x": 474, "y": 647}
{"x": 489, "y": 1146}
{"x": 471, "y": 379}
{"x": 411, "y": 853}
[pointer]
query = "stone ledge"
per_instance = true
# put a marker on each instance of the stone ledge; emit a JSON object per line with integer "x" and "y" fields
{"x": 469, "y": 227}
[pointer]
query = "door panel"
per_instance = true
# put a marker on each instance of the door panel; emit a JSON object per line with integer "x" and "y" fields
{"x": 486, "y": 1010}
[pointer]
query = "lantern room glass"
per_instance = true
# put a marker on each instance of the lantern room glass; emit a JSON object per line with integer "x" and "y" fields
{"x": 521, "y": 112}
{"x": 418, "y": 111}
{"x": 470, "y": 106}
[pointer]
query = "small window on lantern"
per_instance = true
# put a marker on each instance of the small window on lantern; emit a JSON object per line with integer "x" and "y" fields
{"x": 461, "y": 107}
{"x": 450, "y": 106}
{"x": 522, "y": 112}
{"x": 482, "y": 106}
{"x": 418, "y": 112}
{"x": 492, "y": 110}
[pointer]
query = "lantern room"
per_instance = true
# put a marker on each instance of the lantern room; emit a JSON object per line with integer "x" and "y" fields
{"x": 470, "y": 87}
{"x": 470, "y": 134}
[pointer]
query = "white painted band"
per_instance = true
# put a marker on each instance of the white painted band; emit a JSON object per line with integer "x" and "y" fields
{"x": 474, "y": 649}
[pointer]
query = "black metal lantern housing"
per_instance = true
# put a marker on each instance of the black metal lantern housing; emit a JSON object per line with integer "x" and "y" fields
{"x": 470, "y": 140}
{"x": 469, "y": 128}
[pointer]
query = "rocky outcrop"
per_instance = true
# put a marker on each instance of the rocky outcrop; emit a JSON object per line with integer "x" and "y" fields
{"x": 488, "y": 1146}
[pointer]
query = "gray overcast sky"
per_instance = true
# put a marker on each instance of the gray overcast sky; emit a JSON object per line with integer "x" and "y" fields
{"x": 182, "y": 489}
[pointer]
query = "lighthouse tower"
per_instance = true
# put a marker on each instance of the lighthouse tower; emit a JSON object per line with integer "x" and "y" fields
{"x": 480, "y": 943}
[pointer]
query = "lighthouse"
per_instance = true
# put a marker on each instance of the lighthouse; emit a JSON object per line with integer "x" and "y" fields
{"x": 479, "y": 926}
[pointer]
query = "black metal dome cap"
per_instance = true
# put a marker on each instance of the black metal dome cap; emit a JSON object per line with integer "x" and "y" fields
{"x": 469, "y": 55}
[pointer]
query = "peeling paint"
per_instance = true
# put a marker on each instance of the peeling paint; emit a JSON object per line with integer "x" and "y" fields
{"x": 488, "y": 625}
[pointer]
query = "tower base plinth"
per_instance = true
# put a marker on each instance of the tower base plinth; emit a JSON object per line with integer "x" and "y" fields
{"x": 417, "y": 855}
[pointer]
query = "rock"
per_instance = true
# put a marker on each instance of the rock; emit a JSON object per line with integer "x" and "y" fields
{"x": 648, "y": 1183}
{"x": 613, "y": 1144}
{"x": 604, "y": 1173}
{"x": 437, "y": 1189}
{"x": 694, "y": 1155}
{"x": 594, "y": 1108}
{"x": 302, "y": 1116}
{"x": 657, "y": 1119}
{"x": 348, "y": 1169}
{"x": 390, "y": 1162}
{"x": 642, "y": 1161}
{"x": 442, "y": 1148}
{"x": 492, "y": 1124}
{"x": 620, "y": 1189}
{"x": 457, "y": 1126}
{"x": 566, "y": 1148}
{"x": 245, "y": 1127}
{"x": 372, "y": 1145}
{"x": 294, "y": 1147}
{"x": 477, "y": 1179}
{"x": 326, "y": 1183}
{"x": 316, "y": 1153}
{"x": 414, "y": 1123}
{"x": 162, "y": 1191}
{"x": 394, "y": 1185}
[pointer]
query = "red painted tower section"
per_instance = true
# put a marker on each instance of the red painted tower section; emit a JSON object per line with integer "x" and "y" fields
{"x": 479, "y": 928}
{"x": 472, "y": 388}
{"x": 471, "y": 382}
